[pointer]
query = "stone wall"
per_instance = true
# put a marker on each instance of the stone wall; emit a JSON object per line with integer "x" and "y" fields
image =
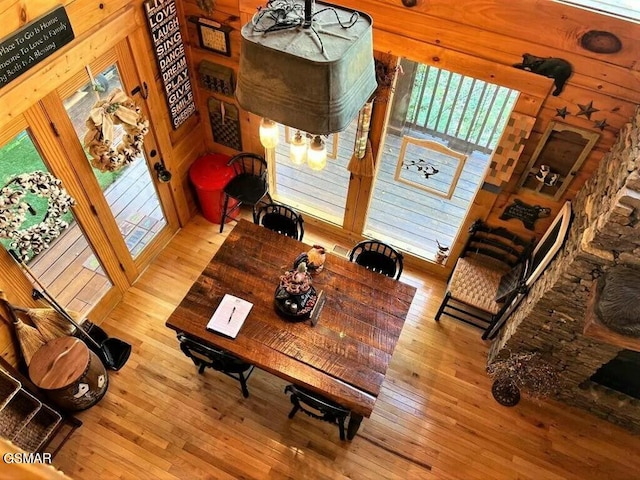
{"x": 605, "y": 232}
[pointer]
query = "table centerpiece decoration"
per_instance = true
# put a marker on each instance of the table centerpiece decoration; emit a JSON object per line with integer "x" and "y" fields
{"x": 295, "y": 296}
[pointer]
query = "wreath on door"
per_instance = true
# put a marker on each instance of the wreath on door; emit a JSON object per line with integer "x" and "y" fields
{"x": 117, "y": 109}
{"x": 13, "y": 209}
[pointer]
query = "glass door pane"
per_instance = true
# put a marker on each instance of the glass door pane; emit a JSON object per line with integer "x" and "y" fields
{"x": 68, "y": 268}
{"x": 442, "y": 131}
{"x": 323, "y": 193}
{"x": 130, "y": 192}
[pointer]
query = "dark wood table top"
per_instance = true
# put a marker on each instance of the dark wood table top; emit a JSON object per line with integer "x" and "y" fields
{"x": 344, "y": 357}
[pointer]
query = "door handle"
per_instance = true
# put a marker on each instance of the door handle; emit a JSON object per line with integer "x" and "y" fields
{"x": 164, "y": 175}
{"x": 144, "y": 90}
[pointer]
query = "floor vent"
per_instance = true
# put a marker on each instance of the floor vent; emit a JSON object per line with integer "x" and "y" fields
{"x": 340, "y": 250}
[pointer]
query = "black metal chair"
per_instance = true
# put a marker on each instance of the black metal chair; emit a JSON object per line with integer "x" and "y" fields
{"x": 379, "y": 257}
{"x": 204, "y": 356}
{"x": 249, "y": 186}
{"x": 281, "y": 219}
{"x": 303, "y": 399}
{"x": 487, "y": 276}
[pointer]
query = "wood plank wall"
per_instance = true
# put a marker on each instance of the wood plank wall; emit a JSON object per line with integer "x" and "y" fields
{"x": 499, "y": 32}
{"x": 97, "y": 27}
{"x": 490, "y": 32}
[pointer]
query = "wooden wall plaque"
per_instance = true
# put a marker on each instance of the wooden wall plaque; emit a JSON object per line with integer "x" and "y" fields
{"x": 162, "y": 17}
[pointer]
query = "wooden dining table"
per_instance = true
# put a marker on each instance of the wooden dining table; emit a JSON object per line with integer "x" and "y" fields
{"x": 343, "y": 357}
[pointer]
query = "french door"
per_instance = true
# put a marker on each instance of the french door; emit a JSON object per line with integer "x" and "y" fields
{"x": 440, "y": 133}
{"x": 63, "y": 267}
{"x": 121, "y": 219}
{"x": 437, "y": 146}
{"x": 129, "y": 201}
{"x": 322, "y": 194}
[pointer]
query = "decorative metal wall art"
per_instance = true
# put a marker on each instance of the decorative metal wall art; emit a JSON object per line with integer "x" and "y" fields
{"x": 586, "y": 110}
{"x": 527, "y": 214}
{"x": 601, "y": 124}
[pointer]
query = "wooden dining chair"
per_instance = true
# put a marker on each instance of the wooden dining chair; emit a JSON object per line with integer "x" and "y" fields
{"x": 248, "y": 187}
{"x": 282, "y": 219}
{"x": 310, "y": 403}
{"x": 204, "y": 356}
{"x": 379, "y": 257}
{"x": 487, "y": 276}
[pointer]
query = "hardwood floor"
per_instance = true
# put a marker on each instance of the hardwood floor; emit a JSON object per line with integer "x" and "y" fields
{"x": 435, "y": 417}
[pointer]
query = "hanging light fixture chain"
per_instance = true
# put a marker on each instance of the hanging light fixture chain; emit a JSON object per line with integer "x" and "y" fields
{"x": 286, "y": 14}
{"x": 352, "y": 20}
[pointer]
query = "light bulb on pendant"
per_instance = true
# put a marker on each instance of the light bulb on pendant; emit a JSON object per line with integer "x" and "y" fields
{"x": 298, "y": 148}
{"x": 317, "y": 154}
{"x": 269, "y": 133}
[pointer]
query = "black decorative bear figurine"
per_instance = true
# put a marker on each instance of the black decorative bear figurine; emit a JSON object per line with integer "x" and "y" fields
{"x": 557, "y": 68}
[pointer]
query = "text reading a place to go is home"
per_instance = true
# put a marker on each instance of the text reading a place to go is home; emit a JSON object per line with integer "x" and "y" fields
{"x": 33, "y": 43}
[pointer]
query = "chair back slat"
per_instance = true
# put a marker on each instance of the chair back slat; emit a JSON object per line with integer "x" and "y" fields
{"x": 480, "y": 226}
{"x": 205, "y": 356}
{"x": 318, "y": 407}
{"x": 378, "y": 257}
{"x": 497, "y": 243}
{"x": 217, "y": 359}
{"x": 249, "y": 164}
{"x": 282, "y": 219}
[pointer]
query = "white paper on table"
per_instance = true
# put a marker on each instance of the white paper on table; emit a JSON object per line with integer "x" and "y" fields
{"x": 229, "y": 316}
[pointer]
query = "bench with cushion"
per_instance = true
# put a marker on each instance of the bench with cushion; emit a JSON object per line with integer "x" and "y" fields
{"x": 487, "y": 276}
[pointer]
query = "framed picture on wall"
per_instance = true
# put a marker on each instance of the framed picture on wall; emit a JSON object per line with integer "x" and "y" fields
{"x": 429, "y": 166}
{"x": 214, "y": 36}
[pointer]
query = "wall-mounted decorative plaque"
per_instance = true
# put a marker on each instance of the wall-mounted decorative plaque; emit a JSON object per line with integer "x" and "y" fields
{"x": 162, "y": 17}
{"x": 217, "y": 78}
{"x": 32, "y": 43}
{"x": 225, "y": 123}
{"x": 214, "y": 36}
{"x": 527, "y": 214}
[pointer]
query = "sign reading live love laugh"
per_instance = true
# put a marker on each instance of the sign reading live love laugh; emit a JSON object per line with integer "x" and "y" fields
{"x": 33, "y": 43}
{"x": 162, "y": 16}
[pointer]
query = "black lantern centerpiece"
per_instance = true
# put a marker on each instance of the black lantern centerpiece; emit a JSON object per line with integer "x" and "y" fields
{"x": 295, "y": 296}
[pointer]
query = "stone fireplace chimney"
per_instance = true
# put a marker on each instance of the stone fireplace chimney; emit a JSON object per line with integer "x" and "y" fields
{"x": 560, "y": 316}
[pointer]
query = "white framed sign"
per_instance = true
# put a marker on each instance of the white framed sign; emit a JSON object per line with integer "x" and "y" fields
{"x": 429, "y": 166}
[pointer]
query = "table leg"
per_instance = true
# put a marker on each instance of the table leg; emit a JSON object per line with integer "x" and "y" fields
{"x": 354, "y": 424}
